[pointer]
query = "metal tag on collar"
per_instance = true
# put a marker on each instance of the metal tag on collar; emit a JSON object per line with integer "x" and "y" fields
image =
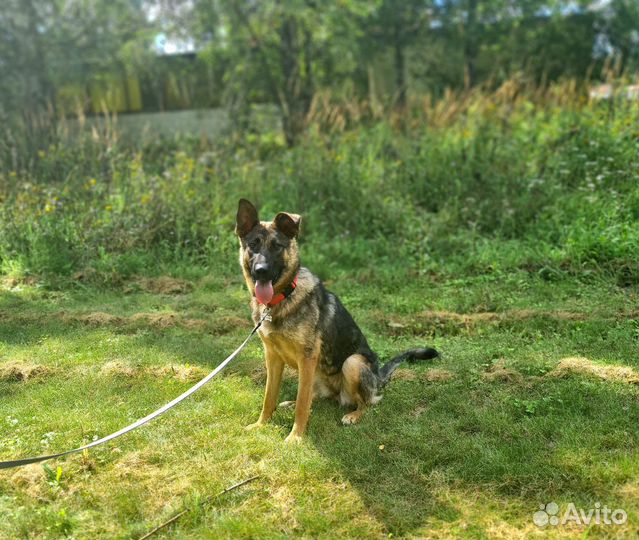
{"x": 267, "y": 315}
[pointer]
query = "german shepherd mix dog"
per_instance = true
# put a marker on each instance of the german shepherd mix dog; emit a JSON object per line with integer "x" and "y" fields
{"x": 309, "y": 328}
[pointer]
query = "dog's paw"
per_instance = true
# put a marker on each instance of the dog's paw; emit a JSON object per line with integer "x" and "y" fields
{"x": 287, "y": 405}
{"x": 293, "y": 438}
{"x": 351, "y": 418}
{"x": 256, "y": 425}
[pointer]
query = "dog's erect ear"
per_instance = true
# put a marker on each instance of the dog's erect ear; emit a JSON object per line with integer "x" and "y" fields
{"x": 289, "y": 224}
{"x": 246, "y": 218}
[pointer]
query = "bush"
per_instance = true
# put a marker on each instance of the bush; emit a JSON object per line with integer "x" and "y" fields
{"x": 552, "y": 179}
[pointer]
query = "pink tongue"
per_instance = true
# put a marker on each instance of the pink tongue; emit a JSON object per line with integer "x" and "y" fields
{"x": 263, "y": 292}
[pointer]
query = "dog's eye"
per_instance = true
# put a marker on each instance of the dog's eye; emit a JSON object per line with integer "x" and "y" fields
{"x": 254, "y": 245}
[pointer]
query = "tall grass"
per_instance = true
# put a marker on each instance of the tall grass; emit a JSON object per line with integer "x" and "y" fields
{"x": 518, "y": 177}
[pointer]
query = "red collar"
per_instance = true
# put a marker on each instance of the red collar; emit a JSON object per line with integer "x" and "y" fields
{"x": 284, "y": 294}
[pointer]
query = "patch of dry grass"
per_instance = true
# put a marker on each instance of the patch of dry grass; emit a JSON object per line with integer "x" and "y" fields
{"x": 435, "y": 375}
{"x": 584, "y": 366}
{"x": 119, "y": 369}
{"x": 184, "y": 373}
{"x": 218, "y": 325}
{"x": 96, "y": 318}
{"x": 30, "y": 479}
{"x": 156, "y": 320}
{"x": 499, "y": 372}
{"x": 415, "y": 323}
{"x": 21, "y": 371}
{"x": 164, "y": 285}
{"x": 181, "y": 372}
{"x": 404, "y": 374}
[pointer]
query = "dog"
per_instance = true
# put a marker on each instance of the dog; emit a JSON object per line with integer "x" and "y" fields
{"x": 308, "y": 328}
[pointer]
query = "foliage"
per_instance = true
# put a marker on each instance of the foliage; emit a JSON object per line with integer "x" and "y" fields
{"x": 60, "y": 57}
{"x": 555, "y": 176}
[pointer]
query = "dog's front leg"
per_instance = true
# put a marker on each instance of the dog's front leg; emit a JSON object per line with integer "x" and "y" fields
{"x": 304, "y": 398}
{"x": 274, "y": 369}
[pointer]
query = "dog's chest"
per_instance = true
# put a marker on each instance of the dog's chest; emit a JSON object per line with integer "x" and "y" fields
{"x": 284, "y": 343}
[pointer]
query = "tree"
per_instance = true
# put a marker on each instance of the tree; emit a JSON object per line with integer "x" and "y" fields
{"x": 45, "y": 45}
{"x": 282, "y": 50}
{"x": 619, "y": 24}
{"x": 396, "y": 24}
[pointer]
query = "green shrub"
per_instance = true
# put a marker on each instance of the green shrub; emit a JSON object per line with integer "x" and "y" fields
{"x": 558, "y": 184}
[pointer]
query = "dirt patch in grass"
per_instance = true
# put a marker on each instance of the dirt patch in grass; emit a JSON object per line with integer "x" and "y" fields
{"x": 184, "y": 373}
{"x": 194, "y": 324}
{"x": 430, "y": 375}
{"x": 404, "y": 374}
{"x": 258, "y": 374}
{"x": 497, "y": 316}
{"x": 462, "y": 318}
{"x": 499, "y": 372}
{"x": 119, "y": 369}
{"x": 97, "y": 318}
{"x": 164, "y": 285}
{"x": 30, "y": 478}
{"x": 630, "y": 490}
{"x": 21, "y": 371}
{"x": 137, "y": 465}
{"x": 584, "y": 366}
{"x": 156, "y": 320}
{"x": 438, "y": 375}
{"x": 218, "y": 326}
{"x": 558, "y": 315}
{"x": 228, "y": 323}
{"x": 418, "y": 411}
{"x": 421, "y": 322}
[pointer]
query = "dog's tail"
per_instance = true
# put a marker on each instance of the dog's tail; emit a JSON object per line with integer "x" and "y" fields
{"x": 412, "y": 355}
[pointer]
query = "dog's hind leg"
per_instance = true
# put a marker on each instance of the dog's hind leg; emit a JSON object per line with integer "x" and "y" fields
{"x": 359, "y": 387}
{"x": 323, "y": 387}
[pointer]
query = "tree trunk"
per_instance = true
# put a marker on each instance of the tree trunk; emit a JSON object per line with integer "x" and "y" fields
{"x": 40, "y": 114}
{"x": 470, "y": 45}
{"x": 42, "y": 93}
{"x": 400, "y": 68}
{"x": 297, "y": 91}
{"x": 294, "y": 93}
{"x": 125, "y": 83}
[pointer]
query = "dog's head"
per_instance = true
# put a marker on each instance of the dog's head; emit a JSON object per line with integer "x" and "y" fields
{"x": 268, "y": 250}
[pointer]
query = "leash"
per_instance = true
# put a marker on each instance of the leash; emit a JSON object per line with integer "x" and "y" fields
{"x": 147, "y": 418}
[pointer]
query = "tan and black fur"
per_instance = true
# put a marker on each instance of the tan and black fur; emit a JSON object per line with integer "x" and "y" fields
{"x": 310, "y": 330}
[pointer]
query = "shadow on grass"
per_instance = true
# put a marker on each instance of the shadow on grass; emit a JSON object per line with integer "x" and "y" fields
{"x": 26, "y": 322}
{"x": 530, "y": 441}
{"x": 390, "y": 481}
{"x": 424, "y": 441}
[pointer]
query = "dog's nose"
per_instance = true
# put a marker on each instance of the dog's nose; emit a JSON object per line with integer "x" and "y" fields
{"x": 261, "y": 270}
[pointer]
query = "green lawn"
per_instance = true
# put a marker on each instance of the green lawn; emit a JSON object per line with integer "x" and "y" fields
{"x": 466, "y": 446}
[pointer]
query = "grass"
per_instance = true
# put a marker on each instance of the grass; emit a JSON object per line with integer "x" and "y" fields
{"x": 501, "y": 228}
{"x": 468, "y": 446}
